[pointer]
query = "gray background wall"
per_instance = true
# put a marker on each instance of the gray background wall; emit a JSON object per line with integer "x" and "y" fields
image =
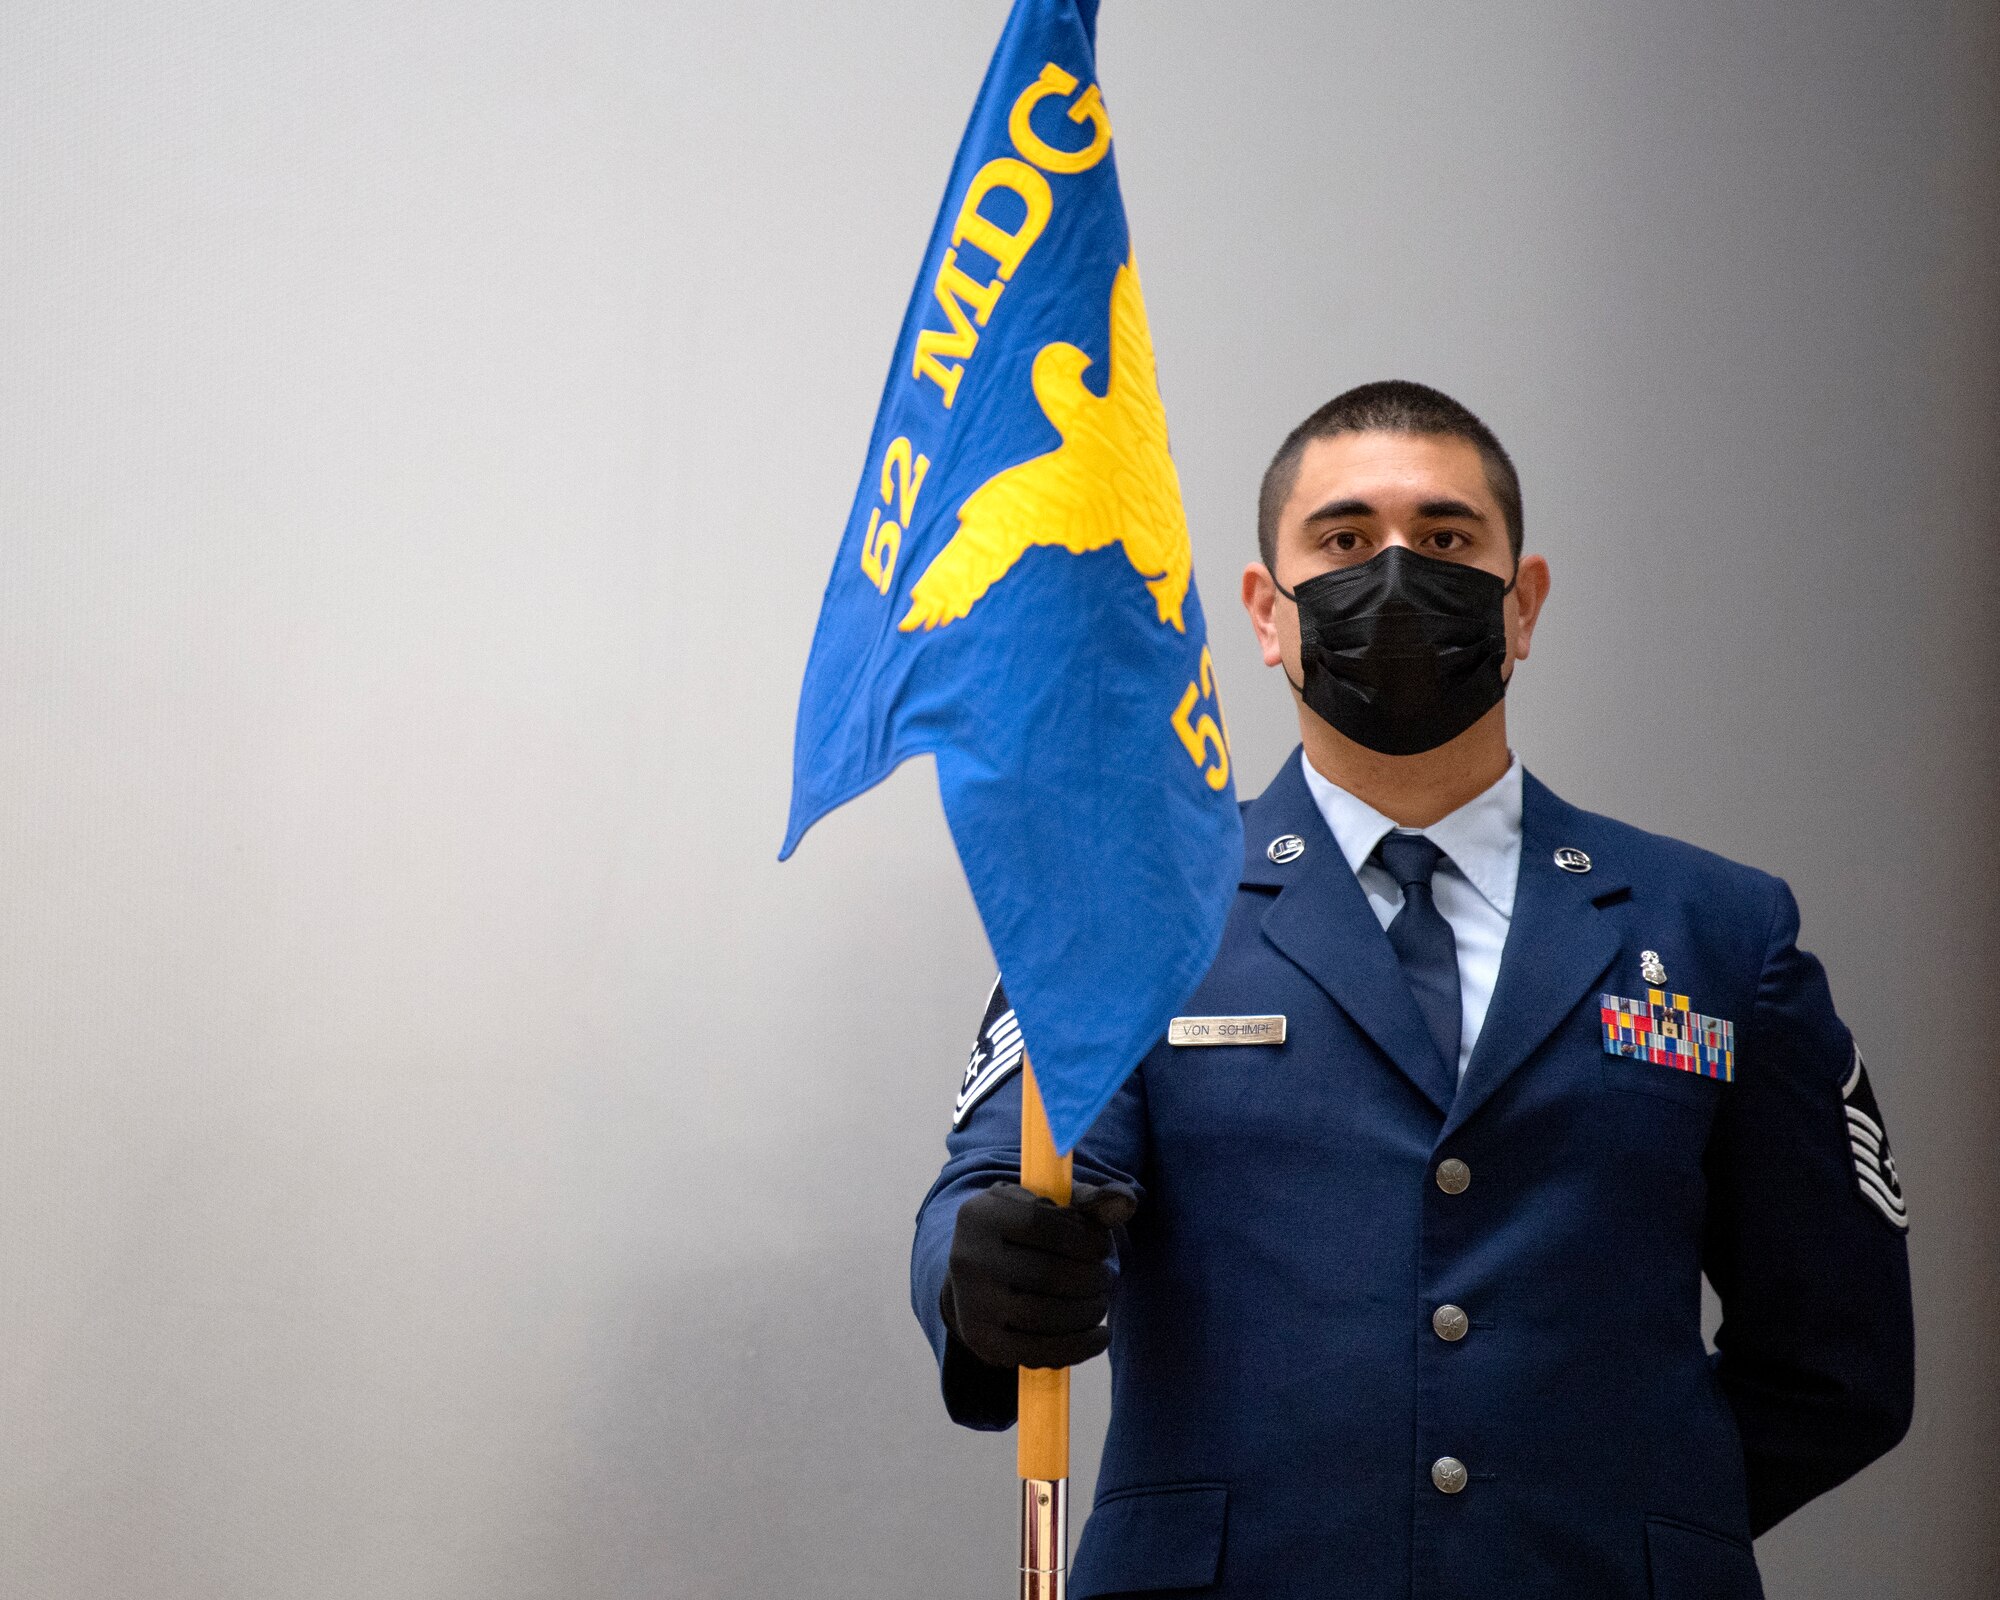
{"x": 443, "y": 1154}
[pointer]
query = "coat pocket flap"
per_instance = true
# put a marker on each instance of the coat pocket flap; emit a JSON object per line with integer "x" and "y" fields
{"x": 1690, "y": 1563}
{"x": 1139, "y": 1540}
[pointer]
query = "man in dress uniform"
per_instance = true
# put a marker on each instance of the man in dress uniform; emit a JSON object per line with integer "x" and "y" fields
{"x": 1401, "y": 1228}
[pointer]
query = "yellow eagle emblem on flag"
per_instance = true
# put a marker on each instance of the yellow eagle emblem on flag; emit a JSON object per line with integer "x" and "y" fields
{"x": 1109, "y": 482}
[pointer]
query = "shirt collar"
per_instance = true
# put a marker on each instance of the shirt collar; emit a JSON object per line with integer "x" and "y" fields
{"x": 1482, "y": 837}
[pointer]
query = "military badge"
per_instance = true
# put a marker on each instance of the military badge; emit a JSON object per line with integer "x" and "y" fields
{"x": 1663, "y": 1030}
{"x": 1874, "y": 1167}
{"x": 996, "y": 1055}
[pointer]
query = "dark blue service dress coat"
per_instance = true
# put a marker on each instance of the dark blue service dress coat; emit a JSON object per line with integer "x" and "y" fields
{"x": 1284, "y": 1385}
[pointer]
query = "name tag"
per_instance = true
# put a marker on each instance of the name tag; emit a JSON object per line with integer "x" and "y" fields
{"x": 1226, "y": 1030}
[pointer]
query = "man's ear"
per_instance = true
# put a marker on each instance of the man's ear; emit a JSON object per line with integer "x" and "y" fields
{"x": 1531, "y": 592}
{"x": 1260, "y": 599}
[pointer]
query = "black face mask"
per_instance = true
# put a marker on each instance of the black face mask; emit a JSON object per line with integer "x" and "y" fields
{"x": 1403, "y": 652}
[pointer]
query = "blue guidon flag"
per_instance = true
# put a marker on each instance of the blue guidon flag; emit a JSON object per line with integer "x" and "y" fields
{"x": 1015, "y": 594}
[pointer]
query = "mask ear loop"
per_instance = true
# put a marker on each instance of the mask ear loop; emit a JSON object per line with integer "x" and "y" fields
{"x": 1298, "y": 688}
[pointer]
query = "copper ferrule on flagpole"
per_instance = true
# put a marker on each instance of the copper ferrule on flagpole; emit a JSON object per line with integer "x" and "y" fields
{"x": 1044, "y": 1538}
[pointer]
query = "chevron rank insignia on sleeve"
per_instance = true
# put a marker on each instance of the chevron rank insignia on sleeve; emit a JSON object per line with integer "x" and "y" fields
{"x": 996, "y": 1055}
{"x": 1874, "y": 1167}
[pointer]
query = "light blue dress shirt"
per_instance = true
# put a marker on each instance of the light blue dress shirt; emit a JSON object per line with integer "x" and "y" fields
{"x": 1474, "y": 886}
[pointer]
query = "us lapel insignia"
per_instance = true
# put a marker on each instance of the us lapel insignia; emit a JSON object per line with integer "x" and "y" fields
{"x": 1663, "y": 1029}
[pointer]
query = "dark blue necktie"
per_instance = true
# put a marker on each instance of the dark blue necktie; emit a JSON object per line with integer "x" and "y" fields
{"x": 1422, "y": 940}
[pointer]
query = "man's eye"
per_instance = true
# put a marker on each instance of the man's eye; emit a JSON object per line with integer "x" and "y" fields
{"x": 1449, "y": 539}
{"x": 1346, "y": 540}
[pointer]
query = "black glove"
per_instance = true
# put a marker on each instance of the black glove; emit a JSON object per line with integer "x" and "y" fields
{"x": 1030, "y": 1281}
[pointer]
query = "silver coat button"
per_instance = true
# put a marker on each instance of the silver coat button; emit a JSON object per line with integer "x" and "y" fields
{"x": 1448, "y": 1473}
{"x": 1454, "y": 1176}
{"x": 1449, "y": 1323}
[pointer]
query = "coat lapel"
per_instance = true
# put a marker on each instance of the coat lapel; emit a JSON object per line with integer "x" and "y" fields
{"x": 1321, "y": 921}
{"x": 1558, "y": 945}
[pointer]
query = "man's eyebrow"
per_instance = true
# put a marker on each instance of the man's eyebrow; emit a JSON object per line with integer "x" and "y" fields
{"x": 1341, "y": 508}
{"x": 1456, "y": 509}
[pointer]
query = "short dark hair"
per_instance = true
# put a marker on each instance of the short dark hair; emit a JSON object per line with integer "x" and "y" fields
{"x": 1393, "y": 406}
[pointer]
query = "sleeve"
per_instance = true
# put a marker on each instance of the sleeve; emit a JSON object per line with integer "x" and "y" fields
{"x": 984, "y": 1148}
{"x": 1805, "y": 1244}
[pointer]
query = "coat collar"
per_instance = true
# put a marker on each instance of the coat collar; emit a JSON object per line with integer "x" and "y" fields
{"x": 1322, "y": 923}
{"x": 1558, "y": 943}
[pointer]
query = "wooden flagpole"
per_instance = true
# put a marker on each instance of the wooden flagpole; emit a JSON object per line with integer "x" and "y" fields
{"x": 1043, "y": 1461}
